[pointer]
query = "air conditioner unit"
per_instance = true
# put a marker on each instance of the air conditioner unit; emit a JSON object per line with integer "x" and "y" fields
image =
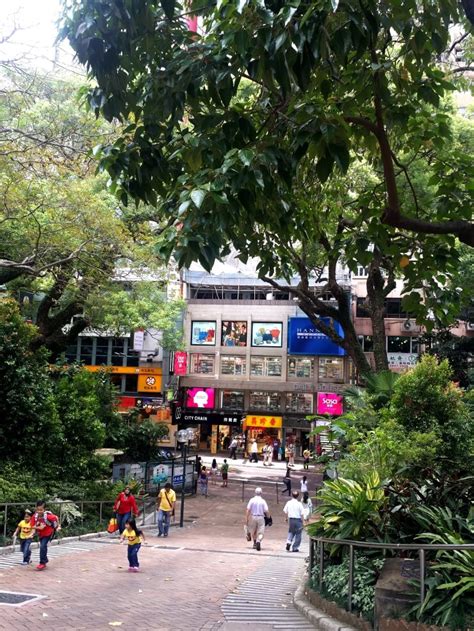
{"x": 470, "y": 326}
{"x": 410, "y": 326}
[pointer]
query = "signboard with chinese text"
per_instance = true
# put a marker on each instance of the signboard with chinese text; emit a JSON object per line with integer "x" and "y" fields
{"x": 138, "y": 340}
{"x": 149, "y": 383}
{"x": 329, "y": 403}
{"x": 402, "y": 361}
{"x": 180, "y": 363}
{"x": 305, "y": 339}
{"x": 256, "y": 420}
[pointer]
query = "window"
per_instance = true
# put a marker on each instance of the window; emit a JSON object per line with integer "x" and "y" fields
{"x": 87, "y": 344}
{"x": 300, "y": 367}
{"x": 231, "y": 365}
{"x": 265, "y": 401}
{"x": 202, "y": 364}
{"x": 232, "y": 400}
{"x": 102, "y": 351}
{"x": 402, "y": 344}
{"x": 331, "y": 369}
{"x": 131, "y": 383}
{"x": 362, "y": 271}
{"x": 72, "y": 353}
{"x": 366, "y": 342}
{"x": 298, "y": 402}
{"x": 265, "y": 366}
{"x": 118, "y": 353}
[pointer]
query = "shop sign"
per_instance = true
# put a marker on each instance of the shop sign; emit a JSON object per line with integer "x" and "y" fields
{"x": 205, "y": 416}
{"x": 305, "y": 339}
{"x": 402, "y": 361}
{"x": 200, "y": 398}
{"x": 139, "y": 340}
{"x": 126, "y": 370}
{"x": 263, "y": 421}
{"x": 180, "y": 363}
{"x": 125, "y": 403}
{"x": 149, "y": 383}
{"x": 329, "y": 403}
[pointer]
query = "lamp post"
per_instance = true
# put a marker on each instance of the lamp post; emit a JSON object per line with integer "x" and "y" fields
{"x": 184, "y": 436}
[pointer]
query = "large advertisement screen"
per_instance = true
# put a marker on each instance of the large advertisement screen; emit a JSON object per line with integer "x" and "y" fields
{"x": 200, "y": 398}
{"x": 305, "y": 339}
{"x": 329, "y": 403}
{"x": 234, "y": 333}
{"x": 267, "y": 334}
{"x": 203, "y": 333}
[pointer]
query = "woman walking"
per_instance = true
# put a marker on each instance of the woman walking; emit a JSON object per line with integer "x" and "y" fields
{"x": 287, "y": 482}
{"x": 203, "y": 481}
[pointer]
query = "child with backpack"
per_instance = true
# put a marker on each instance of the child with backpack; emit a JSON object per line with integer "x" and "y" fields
{"x": 134, "y": 537}
{"x": 45, "y": 524}
{"x": 27, "y": 532}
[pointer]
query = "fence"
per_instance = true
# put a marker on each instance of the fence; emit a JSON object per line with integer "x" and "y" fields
{"x": 319, "y": 542}
{"x": 252, "y": 484}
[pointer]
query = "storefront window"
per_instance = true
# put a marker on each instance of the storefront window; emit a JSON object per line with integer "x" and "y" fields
{"x": 231, "y": 365}
{"x": 268, "y": 401}
{"x": 202, "y": 364}
{"x": 232, "y": 400}
{"x": 300, "y": 367}
{"x": 331, "y": 369}
{"x": 366, "y": 342}
{"x": 298, "y": 402}
{"x": 265, "y": 366}
{"x": 86, "y": 350}
{"x": 402, "y": 344}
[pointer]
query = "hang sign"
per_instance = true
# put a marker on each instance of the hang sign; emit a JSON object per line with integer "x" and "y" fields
{"x": 329, "y": 403}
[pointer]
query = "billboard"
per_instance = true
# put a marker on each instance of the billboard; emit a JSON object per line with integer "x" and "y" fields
{"x": 234, "y": 333}
{"x": 305, "y": 339}
{"x": 200, "y": 398}
{"x": 203, "y": 333}
{"x": 329, "y": 403}
{"x": 180, "y": 363}
{"x": 267, "y": 334}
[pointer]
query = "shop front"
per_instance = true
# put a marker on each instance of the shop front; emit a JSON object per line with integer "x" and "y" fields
{"x": 297, "y": 431}
{"x": 265, "y": 429}
{"x": 215, "y": 429}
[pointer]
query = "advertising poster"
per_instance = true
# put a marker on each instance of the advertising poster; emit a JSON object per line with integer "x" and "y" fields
{"x": 200, "y": 398}
{"x": 234, "y": 333}
{"x": 267, "y": 334}
{"x": 180, "y": 363}
{"x": 329, "y": 403}
{"x": 305, "y": 339}
{"x": 203, "y": 333}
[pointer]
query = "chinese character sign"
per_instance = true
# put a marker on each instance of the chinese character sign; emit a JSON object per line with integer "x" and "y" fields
{"x": 180, "y": 363}
{"x": 264, "y": 421}
{"x": 329, "y": 403}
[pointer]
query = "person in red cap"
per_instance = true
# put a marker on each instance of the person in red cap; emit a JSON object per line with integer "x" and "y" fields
{"x": 45, "y": 523}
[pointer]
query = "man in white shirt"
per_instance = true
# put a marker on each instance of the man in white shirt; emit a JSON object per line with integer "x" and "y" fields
{"x": 294, "y": 515}
{"x": 254, "y": 451}
{"x": 257, "y": 508}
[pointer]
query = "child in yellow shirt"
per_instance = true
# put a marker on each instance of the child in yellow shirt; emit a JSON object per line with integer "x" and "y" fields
{"x": 27, "y": 532}
{"x": 134, "y": 538}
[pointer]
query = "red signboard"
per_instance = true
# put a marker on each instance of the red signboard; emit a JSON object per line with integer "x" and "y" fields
{"x": 329, "y": 403}
{"x": 180, "y": 363}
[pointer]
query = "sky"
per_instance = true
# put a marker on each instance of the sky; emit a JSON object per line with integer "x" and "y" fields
{"x": 35, "y": 31}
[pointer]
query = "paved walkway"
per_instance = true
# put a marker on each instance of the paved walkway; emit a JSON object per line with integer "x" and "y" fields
{"x": 204, "y": 576}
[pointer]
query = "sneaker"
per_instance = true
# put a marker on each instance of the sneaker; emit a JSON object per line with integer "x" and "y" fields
{"x": 165, "y": 535}
{"x": 249, "y": 536}
{"x": 131, "y": 569}
{"x": 135, "y": 569}
{"x": 41, "y": 566}
{"x": 258, "y": 546}
{"x": 288, "y": 546}
{"x": 24, "y": 562}
{"x": 254, "y": 545}
{"x": 159, "y": 534}
{"x": 295, "y": 550}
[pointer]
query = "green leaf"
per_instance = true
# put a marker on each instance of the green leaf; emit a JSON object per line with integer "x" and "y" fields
{"x": 198, "y": 196}
{"x": 168, "y": 8}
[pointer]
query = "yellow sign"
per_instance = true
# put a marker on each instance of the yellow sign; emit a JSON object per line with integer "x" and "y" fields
{"x": 149, "y": 383}
{"x": 254, "y": 420}
{"x": 126, "y": 370}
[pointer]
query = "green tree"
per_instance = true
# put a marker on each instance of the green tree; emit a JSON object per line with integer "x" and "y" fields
{"x": 141, "y": 443}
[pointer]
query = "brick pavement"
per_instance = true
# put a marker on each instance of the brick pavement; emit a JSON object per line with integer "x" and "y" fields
{"x": 183, "y": 582}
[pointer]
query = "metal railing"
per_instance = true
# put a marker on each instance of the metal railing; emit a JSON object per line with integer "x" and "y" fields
{"x": 247, "y": 482}
{"x": 421, "y": 548}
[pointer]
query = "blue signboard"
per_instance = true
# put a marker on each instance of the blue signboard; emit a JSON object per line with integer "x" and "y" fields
{"x": 305, "y": 339}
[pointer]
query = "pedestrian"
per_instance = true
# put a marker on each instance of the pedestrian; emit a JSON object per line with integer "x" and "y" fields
{"x": 254, "y": 451}
{"x": 26, "y": 532}
{"x": 276, "y": 445}
{"x": 233, "y": 448}
{"x": 225, "y": 472}
{"x": 134, "y": 537}
{"x": 165, "y": 502}
{"x": 304, "y": 485}
{"x": 257, "y": 510}
{"x": 287, "y": 482}
{"x": 306, "y": 457}
{"x": 307, "y": 507}
{"x": 203, "y": 479}
{"x": 294, "y": 515}
{"x": 45, "y": 524}
{"x": 125, "y": 508}
{"x": 290, "y": 453}
{"x": 214, "y": 472}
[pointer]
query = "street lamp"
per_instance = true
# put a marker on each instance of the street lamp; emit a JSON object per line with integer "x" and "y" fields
{"x": 184, "y": 436}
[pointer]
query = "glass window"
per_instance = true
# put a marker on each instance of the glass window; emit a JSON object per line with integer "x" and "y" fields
{"x": 300, "y": 367}
{"x": 86, "y": 350}
{"x": 102, "y": 351}
{"x": 298, "y": 402}
{"x": 202, "y": 364}
{"x": 415, "y": 345}
{"x": 118, "y": 355}
{"x": 232, "y": 400}
{"x": 231, "y": 365}
{"x": 269, "y": 401}
{"x": 131, "y": 383}
{"x": 366, "y": 342}
{"x": 398, "y": 344}
{"x": 71, "y": 353}
{"x": 265, "y": 366}
{"x": 331, "y": 369}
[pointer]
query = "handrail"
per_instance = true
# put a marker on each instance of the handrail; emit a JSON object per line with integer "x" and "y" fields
{"x": 421, "y": 548}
